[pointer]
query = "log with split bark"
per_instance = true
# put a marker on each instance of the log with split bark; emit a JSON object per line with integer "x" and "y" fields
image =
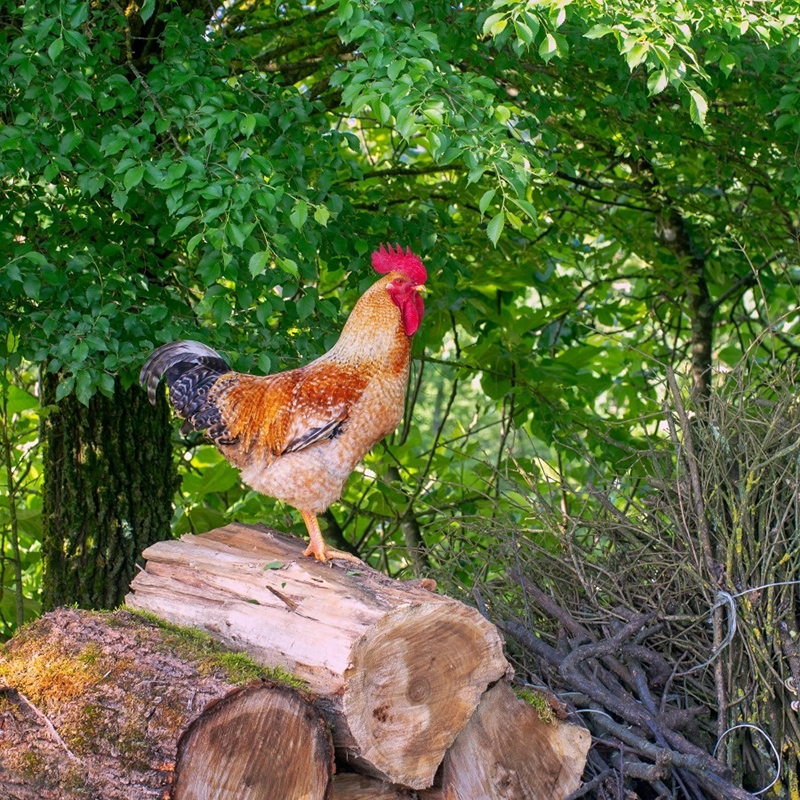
{"x": 94, "y": 704}
{"x": 397, "y": 669}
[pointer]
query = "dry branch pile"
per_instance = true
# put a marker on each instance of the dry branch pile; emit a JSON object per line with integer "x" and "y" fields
{"x": 663, "y": 611}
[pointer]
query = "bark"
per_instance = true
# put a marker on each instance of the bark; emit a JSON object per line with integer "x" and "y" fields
{"x": 507, "y": 752}
{"x": 397, "y": 669}
{"x": 261, "y": 741}
{"x": 92, "y": 705}
{"x": 109, "y": 482}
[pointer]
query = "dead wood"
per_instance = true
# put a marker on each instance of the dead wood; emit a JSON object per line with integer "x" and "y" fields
{"x": 397, "y": 669}
{"x": 260, "y": 742}
{"x": 508, "y": 752}
{"x": 106, "y": 697}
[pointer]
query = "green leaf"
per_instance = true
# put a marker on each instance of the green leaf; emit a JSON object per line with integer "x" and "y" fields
{"x": 727, "y": 63}
{"x": 598, "y": 31}
{"x": 322, "y": 215}
{"x": 31, "y": 286}
{"x": 495, "y": 227}
{"x": 549, "y": 47}
{"x": 148, "y": 8}
{"x": 502, "y": 114}
{"x": 524, "y": 32}
{"x": 56, "y": 48}
{"x": 305, "y": 306}
{"x": 698, "y": 106}
{"x": 274, "y": 565}
{"x": 657, "y": 81}
{"x": 219, "y": 478}
{"x": 193, "y": 242}
{"x": 247, "y": 125}
{"x": 133, "y": 177}
{"x": 183, "y": 224}
{"x": 433, "y": 115}
{"x": 486, "y": 198}
{"x": 65, "y": 386}
{"x": 289, "y": 266}
{"x": 77, "y": 41}
{"x": 258, "y": 261}
{"x": 637, "y": 54}
{"x": 18, "y": 400}
{"x": 494, "y": 24}
{"x": 299, "y": 214}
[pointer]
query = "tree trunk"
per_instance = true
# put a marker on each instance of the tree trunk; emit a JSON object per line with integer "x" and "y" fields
{"x": 701, "y": 310}
{"x": 109, "y": 482}
{"x": 508, "y": 752}
{"x": 397, "y": 669}
{"x": 260, "y": 742}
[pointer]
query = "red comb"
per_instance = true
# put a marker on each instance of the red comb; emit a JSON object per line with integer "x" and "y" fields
{"x": 393, "y": 259}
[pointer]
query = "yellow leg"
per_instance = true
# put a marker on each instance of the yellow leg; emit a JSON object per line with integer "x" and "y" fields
{"x": 317, "y": 546}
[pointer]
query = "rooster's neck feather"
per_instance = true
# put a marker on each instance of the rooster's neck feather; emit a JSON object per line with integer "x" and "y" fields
{"x": 374, "y": 330}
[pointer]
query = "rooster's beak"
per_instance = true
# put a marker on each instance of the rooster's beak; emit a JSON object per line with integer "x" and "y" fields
{"x": 420, "y": 289}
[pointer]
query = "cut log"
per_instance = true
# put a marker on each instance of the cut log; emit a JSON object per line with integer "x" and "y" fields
{"x": 93, "y": 704}
{"x": 507, "y": 752}
{"x": 259, "y": 742}
{"x": 349, "y": 786}
{"x": 397, "y": 669}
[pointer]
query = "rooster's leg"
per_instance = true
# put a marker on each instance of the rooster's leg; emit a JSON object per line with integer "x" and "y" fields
{"x": 317, "y": 546}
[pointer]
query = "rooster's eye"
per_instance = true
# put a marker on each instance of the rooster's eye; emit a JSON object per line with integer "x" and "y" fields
{"x": 398, "y": 281}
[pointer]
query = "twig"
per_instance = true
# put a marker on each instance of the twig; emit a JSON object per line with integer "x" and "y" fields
{"x": 49, "y": 725}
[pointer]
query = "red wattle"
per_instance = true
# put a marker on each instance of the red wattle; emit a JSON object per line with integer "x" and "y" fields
{"x": 412, "y": 311}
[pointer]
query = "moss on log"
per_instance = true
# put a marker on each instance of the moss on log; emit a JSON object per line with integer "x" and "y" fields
{"x": 93, "y": 704}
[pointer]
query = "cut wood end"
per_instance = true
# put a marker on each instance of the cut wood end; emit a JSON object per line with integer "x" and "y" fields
{"x": 414, "y": 682}
{"x": 507, "y": 751}
{"x": 261, "y": 740}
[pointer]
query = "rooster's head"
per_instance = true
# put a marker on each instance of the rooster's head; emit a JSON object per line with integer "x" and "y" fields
{"x": 408, "y": 281}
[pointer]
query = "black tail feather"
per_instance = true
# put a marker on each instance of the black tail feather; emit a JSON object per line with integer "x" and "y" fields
{"x": 190, "y": 370}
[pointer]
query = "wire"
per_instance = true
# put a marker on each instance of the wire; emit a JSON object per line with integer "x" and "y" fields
{"x": 726, "y": 598}
{"x": 769, "y": 741}
{"x": 723, "y": 598}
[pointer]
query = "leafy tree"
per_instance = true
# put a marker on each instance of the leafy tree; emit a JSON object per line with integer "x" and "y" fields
{"x": 600, "y": 191}
{"x": 589, "y": 185}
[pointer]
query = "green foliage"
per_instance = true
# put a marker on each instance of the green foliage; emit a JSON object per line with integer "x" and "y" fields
{"x": 20, "y": 501}
{"x": 587, "y": 183}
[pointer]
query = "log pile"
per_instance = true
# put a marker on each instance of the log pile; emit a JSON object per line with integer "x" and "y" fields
{"x": 407, "y": 687}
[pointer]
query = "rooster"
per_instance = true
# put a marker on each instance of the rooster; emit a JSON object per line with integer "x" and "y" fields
{"x": 297, "y": 435}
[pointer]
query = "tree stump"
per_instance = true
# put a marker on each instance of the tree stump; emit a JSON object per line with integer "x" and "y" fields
{"x": 507, "y": 752}
{"x": 259, "y": 742}
{"x": 397, "y": 669}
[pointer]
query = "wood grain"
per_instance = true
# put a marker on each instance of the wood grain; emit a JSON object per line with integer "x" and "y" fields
{"x": 259, "y": 742}
{"x": 397, "y": 669}
{"x": 506, "y": 752}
